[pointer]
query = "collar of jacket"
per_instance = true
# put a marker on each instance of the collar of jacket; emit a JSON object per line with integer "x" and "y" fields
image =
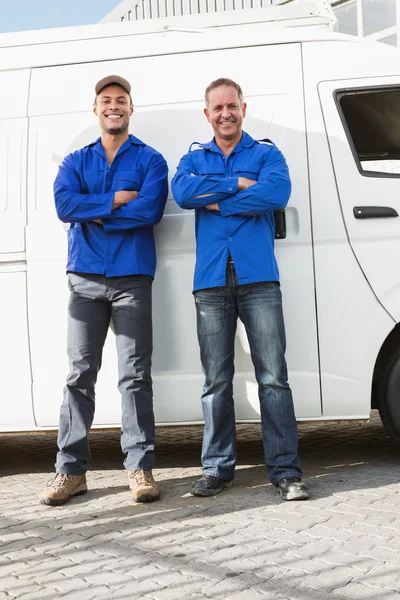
{"x": 131, "y": 141}
{"x": 246, "y": 142}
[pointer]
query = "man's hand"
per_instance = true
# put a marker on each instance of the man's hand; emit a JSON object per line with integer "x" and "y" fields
{"x": 123, "y": 197}
{"x": 212, "y": 207}
{"x": 244, "y": 183}
{"x": 99, "y": 221}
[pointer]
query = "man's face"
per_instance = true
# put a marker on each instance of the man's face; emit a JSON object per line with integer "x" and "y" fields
{"x": 113, "y": 108}
{"x": 225, "y": 113}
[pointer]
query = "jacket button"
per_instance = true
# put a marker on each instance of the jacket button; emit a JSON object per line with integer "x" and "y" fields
{"x": 229, "y": 239}
{"x": 229, "y": 189}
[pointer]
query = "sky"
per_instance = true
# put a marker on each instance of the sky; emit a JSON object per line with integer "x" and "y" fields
{"x": 19, "y": 15}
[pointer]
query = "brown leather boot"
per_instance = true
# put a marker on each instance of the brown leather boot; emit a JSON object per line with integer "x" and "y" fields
{"x": 143, "y": 486}
{"x": 61, "y": 488}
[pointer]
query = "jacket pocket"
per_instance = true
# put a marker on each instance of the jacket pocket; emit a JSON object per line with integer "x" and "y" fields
{"x": 205, "y": 170}
{"x": 129, "y": 180}
{"x": 251, "y": 171}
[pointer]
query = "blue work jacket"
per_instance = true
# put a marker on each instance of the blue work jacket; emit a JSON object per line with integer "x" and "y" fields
{"x": 244, "y": 226}
{"x": 84, "y": 190}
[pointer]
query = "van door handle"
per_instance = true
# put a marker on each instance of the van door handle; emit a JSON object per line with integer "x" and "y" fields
{"x": 374, "y": 212}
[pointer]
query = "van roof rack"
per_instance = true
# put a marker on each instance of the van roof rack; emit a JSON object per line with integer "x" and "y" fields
{"x": 306, "y": 15}
{"x": 220, "y": 13}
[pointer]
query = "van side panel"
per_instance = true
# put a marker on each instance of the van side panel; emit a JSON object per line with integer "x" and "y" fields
{"x": 168, "y": 97}
{"x": 16, "y": 406}
{"x": 375, "y": 242}
{"x": 352, "y": 324}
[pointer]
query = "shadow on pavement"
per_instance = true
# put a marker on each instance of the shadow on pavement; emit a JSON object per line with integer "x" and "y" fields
{"x": 243, "y": 539}
{"x": 335, "y": 457}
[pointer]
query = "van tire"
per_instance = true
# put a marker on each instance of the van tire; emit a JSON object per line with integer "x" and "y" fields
{"x": 389, "y": 397}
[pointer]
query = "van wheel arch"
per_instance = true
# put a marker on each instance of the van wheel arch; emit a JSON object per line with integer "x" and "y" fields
{"x": 386, "y": 385}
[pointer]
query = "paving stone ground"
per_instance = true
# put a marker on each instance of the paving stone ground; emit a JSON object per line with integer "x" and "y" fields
{"x": 244, "y": 544}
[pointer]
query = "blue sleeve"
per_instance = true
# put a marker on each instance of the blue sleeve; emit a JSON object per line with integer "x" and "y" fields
{"x": 271, "y": 192}
{"x": 148, "y": 208}
{"x": 187, "y": 185}
{"x": 71, "y": 205}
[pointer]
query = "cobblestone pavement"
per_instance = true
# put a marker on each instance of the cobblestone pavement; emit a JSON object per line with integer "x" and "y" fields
{"x": 245, "y": 544}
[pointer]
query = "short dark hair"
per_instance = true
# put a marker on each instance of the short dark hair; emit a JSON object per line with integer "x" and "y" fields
{"x": 224, "y": 81}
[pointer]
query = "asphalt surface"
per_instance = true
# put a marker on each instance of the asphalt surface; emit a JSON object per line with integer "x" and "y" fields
{"x": 244, "y": 544}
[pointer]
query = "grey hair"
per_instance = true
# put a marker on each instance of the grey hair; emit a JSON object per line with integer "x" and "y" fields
{"x": 224, "y": 81}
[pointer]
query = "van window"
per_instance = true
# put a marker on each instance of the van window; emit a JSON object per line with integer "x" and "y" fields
{"x": 372, "y": 121}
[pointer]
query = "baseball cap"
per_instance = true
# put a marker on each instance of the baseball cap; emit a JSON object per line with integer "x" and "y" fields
{"x": 112, "y": 79}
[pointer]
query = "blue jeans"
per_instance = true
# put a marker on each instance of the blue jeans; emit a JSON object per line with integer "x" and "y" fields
{"x": 94, "y": 300}
{"x": 259, "y": 306}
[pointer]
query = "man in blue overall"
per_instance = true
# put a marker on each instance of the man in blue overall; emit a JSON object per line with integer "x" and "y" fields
{"x": 112, "y": 192}
{"x": 234, "y": 183}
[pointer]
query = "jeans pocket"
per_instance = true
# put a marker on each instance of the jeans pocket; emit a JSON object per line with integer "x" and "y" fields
{"x": 75, "y": 279}
{"x": 210, "y": 310}
{"x": 71, "y": 281}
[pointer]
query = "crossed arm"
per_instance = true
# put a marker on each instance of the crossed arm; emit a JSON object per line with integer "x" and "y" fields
{"x": 116, "y": 211}
{"x": 120, "y": 199}
{"x": 234, "y": 195}
{"x": 243, "y": 184}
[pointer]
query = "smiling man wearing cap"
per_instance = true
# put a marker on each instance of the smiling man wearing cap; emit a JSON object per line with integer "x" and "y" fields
{"x": 112, "y": 192}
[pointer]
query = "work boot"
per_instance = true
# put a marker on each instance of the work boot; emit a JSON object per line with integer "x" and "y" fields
{"x": 143, "y": 486}
{"x": 61, "y": 488}
{"x": 292, "y": 488}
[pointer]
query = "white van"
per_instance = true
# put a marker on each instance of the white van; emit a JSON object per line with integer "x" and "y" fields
{"x": 332, "y": 105}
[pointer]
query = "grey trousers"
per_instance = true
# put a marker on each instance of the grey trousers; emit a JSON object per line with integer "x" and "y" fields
{"x": 94, "y": 300}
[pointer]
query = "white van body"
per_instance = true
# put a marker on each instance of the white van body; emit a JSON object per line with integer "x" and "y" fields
{"x": 340, "y": 275}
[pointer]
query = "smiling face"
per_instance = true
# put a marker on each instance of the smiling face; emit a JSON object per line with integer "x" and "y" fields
{"x": 113, "y": 108}
{"x": 225, "y": 112}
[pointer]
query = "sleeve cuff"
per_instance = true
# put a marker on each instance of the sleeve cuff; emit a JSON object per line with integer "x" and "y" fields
{"x": 107, "y": 226}
{"x": 226, "y": 207}
{"x": 109, "y": 201}
{"x": 230, "y": 185}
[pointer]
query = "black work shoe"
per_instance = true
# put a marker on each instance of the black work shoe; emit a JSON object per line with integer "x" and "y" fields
{"x": 292, "y": 488}
{"x": 209, "y": 486}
